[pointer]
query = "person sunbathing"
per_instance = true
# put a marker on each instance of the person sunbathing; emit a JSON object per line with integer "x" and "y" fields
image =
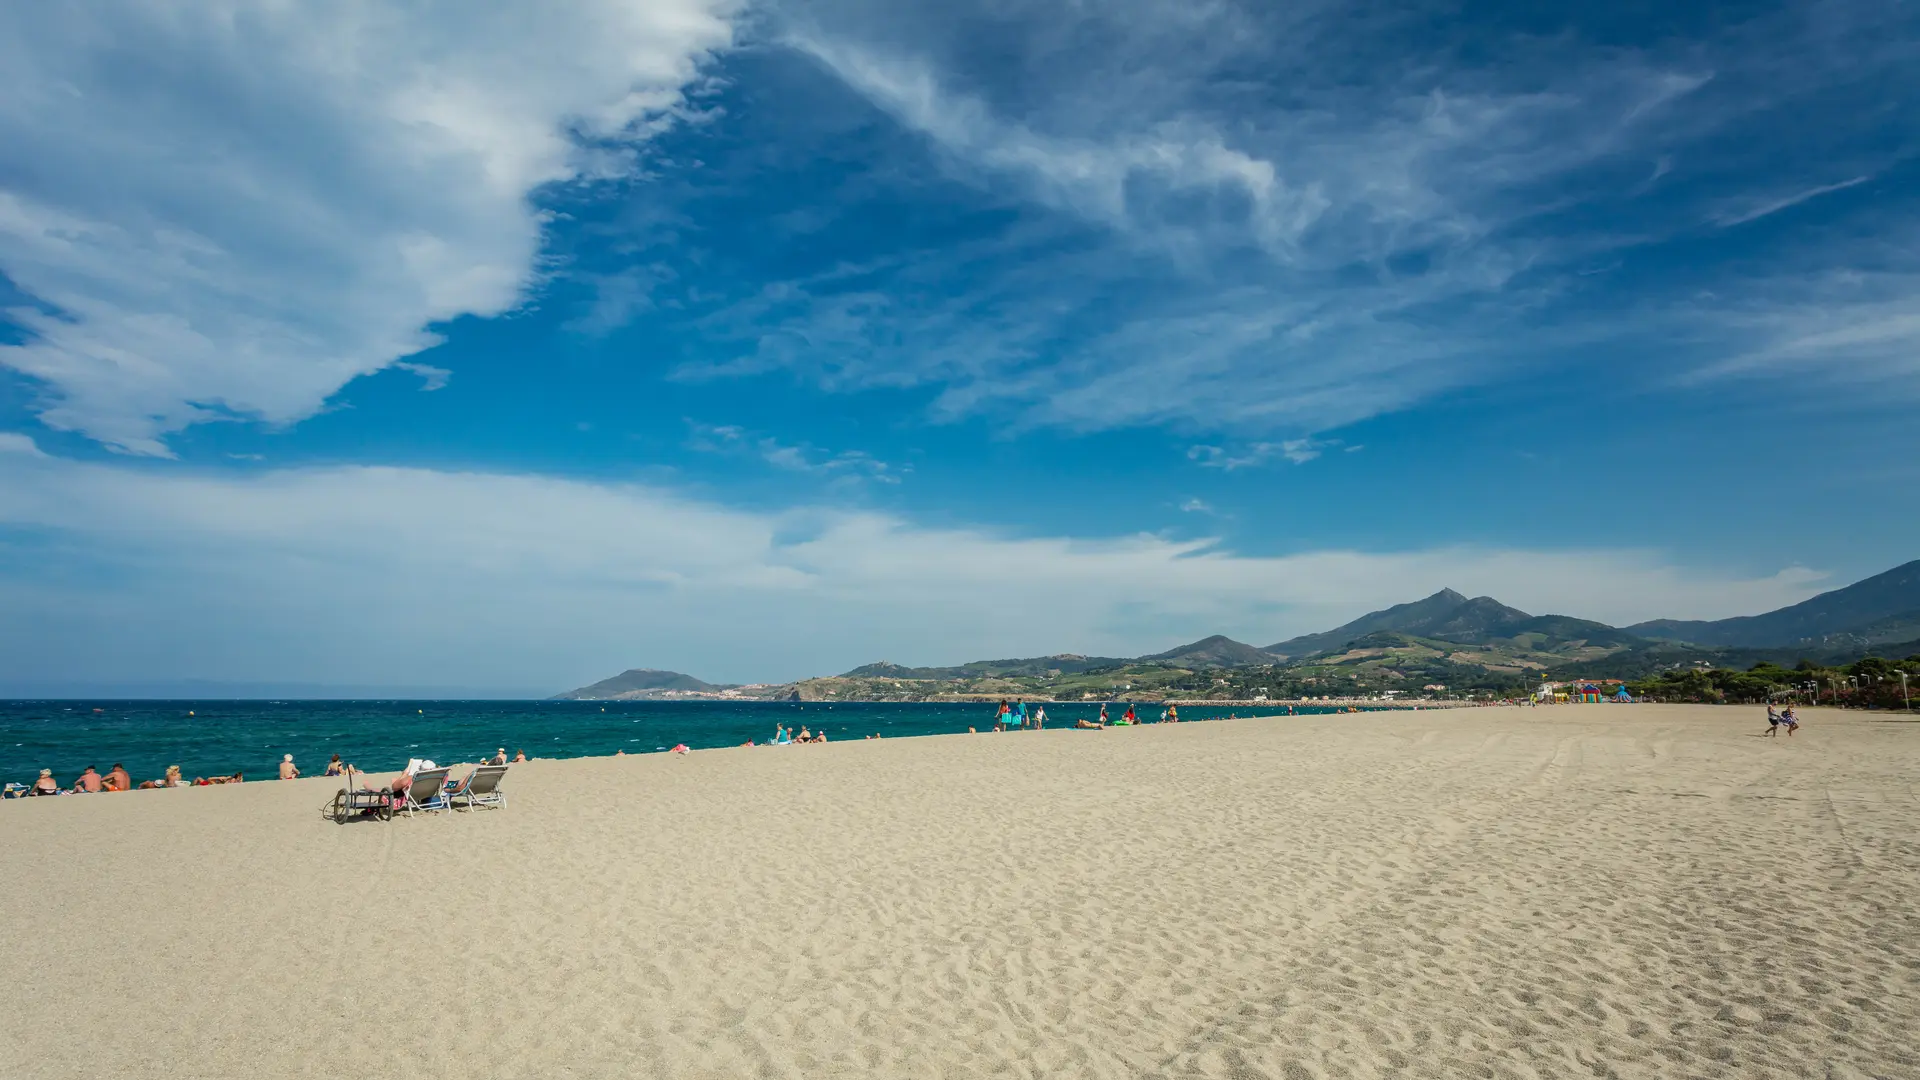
{"x": 1091, "y": 725}
{"x": 172, "y": 779}
{"x": 88, "y": 783}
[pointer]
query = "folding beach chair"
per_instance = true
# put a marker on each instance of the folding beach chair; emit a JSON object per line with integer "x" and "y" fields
{"x": 425, "y": 792}
{"x": 480, "y": 788}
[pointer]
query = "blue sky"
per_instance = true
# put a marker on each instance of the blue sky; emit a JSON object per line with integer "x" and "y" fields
{"x": 761, "y": 340}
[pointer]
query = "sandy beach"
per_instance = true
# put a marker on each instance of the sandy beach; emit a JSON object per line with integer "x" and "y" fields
{"x": 1622, "y": 891}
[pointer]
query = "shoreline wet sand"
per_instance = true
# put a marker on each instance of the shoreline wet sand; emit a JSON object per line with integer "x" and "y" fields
{"x": 1651, "y": 890}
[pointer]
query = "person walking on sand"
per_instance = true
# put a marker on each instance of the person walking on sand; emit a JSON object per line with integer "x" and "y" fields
{"x": 1173, "y": 714}
{"x": 1040, "y": 718}
{"x": 1103, "y": 714}
{"x": 1773, "y": 722}
{"x": 1000, "y": 717}
{"x": 287, "y": 771}
{"x": 1128, "y": 717}
{"x": 1790, "y": 721}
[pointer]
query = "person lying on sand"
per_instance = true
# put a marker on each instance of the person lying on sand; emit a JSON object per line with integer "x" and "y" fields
{"x": 88, "y": 783}
{"x": 1093, "y": 725}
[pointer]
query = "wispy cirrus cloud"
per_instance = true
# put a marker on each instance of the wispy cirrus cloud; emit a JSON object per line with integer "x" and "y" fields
{"x": 1769, "y": 206}
{"x": 1297, "y": 451}
{"x": 733, "y": 440}
{"x": 1254, "y": 220}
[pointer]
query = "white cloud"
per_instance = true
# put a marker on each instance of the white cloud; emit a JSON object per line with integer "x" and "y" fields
{"x": 792, "y": 457}
{"x": 12, "y": 442}
{"x": 415, "y": 576}
{"x": 1757, "y": 210}
{"x": 1262, "y": 219}
{"x": 1297, "y": 451}
{"x": 431, "y": 378}
{"x": 235, "y": 209}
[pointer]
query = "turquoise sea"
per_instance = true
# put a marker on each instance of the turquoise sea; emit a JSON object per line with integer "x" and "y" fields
{"x": 207, "y": 738}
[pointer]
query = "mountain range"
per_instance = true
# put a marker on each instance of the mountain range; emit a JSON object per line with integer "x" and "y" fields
{"x": 1441, "y": 640}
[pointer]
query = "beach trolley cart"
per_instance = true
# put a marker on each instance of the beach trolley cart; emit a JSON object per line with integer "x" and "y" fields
{"x": 352, "y": 801}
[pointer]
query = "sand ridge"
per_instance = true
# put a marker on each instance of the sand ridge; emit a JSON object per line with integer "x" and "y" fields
{"x": 1631, "y": 891}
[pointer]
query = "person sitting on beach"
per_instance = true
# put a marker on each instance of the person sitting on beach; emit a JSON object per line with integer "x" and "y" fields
{"x": 499, "y": 757}
{"x": 117, "y": 778}
{"x": 820, "y": 736}
{"x": 287, "y": 771}
{"x": 335, "y": 766}
{"x": 172, "y": 779}
{"x": 519, "y": 756}
{"x": 782, "y": 736}
{"x": 46, "y": 785}
{"x": 88, "y": 783}
{"x": 805, "y": 736}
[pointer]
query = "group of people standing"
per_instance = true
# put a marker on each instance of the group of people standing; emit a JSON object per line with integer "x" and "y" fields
{"x": 1015, "y": 717}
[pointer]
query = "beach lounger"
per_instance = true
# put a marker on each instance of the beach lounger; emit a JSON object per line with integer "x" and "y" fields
{"x": 480, "y": 788}
{"x": 425, "y": 793}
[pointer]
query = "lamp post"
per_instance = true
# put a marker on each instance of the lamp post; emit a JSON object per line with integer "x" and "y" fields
{"x": 1903, "y": 690}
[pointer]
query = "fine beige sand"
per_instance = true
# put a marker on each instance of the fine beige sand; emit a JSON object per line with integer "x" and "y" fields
{"x": 1578, "y": 891}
